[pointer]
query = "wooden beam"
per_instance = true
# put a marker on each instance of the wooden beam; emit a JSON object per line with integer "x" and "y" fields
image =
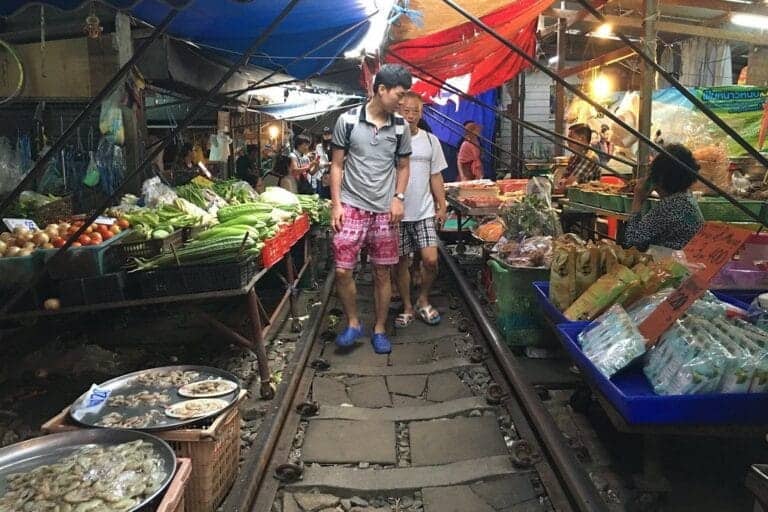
{"x": 611, "y": 57}
{"x": 744, "y": 36}
{"x": 579, "y": 16}
{"x": 713, "y": 5}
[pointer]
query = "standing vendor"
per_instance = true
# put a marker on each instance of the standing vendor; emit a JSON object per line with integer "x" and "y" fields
{"x": 185, "y": 168}
{"x": 676, "y": 218}
{"x": 303, "y": 165}
{"x": 470, "y": 161}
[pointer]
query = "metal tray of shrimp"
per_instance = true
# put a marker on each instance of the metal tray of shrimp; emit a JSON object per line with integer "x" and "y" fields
{"x": 92, "y": 456}
{"x": 139, "y": 400}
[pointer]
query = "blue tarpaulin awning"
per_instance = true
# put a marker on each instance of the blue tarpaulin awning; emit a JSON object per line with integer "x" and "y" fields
{"x": 230, "y": 26}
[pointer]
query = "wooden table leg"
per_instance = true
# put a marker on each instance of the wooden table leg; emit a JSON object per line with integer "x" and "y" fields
{"x": 254, "y": 315}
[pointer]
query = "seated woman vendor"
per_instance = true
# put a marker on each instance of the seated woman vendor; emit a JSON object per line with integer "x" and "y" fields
{"x": 674, "y": 220}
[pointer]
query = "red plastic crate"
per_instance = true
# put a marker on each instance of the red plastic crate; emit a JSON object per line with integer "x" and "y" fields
{"x": 275, "y": 248}
{"x": 300, "y": 227}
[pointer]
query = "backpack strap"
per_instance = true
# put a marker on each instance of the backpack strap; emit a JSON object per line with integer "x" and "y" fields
{"x": 399, "y": 130}
{"x": 350, "y": 119}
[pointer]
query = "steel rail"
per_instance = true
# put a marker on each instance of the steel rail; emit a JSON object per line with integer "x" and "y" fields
{"x": 583, "y": 492}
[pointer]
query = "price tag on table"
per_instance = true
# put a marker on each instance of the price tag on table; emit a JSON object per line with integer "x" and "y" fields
{"x": 712, "y": 247}
{"x": 105, "y": 220}
{"x": 20, "y": 223}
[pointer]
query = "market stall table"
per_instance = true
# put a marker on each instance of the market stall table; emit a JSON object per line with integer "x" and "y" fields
{"x": 462, "y": 210}
{"x": 568, "y": 206}
{"x": 255, "y": 311}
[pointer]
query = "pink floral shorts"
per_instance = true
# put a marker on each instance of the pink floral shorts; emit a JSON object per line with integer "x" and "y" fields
{"x": 365, "y": 229}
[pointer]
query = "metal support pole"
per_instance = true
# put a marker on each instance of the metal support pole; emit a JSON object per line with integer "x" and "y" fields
{"x": 58, "y": 145}
{"x": 647, "y": 85}
{"x": 257, "y": 329}
{"x": 613, "y": 117}
{"x": 520, "y": 149}
{"x": 651, "y": 60}
{"x": 562, "y": 49}
{"x": 513, "y": 110}
{"x": 263, "y": 36}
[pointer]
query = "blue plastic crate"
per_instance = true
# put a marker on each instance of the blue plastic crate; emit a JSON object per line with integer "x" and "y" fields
{"x": 550, "y": 311}
{"x": 630, "y": 392}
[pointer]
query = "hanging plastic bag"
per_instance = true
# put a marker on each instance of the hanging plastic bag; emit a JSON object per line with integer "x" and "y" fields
{"x": 111, "y": 118}
{"x": 92, "y": 176}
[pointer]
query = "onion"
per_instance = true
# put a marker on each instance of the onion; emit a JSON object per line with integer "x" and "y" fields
{"x": 21, "y": 230}
{"x": 12, "y": 251}
{"x": 6, "y": 236}
{"x": 52, "y": 304}
{"x": 23, "y": 238}
{"x": 40, "y": 238}
{"x": 29, "y": 245}
{"x": 51, "y": 232}
{"x": 26, "y": 252}
{"x": 52, "y": 226}
{"x": 3, "y": 247}
{"x": 47, "y": 245}
{"x": 63, "y": 226}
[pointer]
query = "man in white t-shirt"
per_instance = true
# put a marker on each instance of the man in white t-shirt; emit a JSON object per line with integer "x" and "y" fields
{"x": 424, "y": 208}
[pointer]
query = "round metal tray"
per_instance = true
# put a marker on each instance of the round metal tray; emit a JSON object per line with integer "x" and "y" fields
{"x": 28, "y": 455}
{"x": 128, "y": 384}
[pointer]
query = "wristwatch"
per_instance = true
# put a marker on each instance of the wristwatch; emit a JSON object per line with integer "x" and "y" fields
{"x": 400, "y": 196}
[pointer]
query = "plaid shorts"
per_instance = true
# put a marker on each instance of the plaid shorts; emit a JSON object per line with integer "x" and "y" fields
{"x": 360, "y": 229}
{"x": 417, "y": 235}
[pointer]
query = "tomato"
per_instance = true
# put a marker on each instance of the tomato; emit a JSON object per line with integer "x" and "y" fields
{"x": 107, "y": 235}
{"x": 115, "y": 229}
{"x": 123, "y": 224}
{"x": 103, "y": 228}
{"x": 58, "y": 242}
{"x": 96, "y": 238}
{"x": 84, "y": 240}
{"x": 77, "y": 244}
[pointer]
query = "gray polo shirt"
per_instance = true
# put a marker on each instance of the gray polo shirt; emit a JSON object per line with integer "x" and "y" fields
{"x": 369, "y": 168}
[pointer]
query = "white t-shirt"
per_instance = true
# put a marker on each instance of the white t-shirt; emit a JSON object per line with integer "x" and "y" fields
{"x": 426, "y": 159}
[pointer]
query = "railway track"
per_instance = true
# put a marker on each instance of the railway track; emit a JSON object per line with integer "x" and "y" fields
{"x": 444, "y": 423}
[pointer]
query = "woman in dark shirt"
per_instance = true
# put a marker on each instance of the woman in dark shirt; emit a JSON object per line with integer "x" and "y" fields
{"x": 674, "y": 220}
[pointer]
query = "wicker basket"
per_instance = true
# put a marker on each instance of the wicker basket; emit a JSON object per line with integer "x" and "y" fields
{"x": 53, "y": 212}
{"x": 174, "y": 499}
{"x": 214, "y": 451}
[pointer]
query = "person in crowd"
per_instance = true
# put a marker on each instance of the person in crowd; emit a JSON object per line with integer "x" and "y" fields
{"x": 470, "y": 163}
{"x": 583, "y": 165}
{"x": 304, "y": 165}
{"x": 185, "y": 169}
{"x": 582, "y": 168}
{"x": 424, "y": 207}
{"x": 604, "y": 145}
{"x": 369, "y": 174}
{"x": 323, "y": 151}
{"x": 674, "y": 220}
{"x": 246, "y": 166}
{"x": 285, "y": 178}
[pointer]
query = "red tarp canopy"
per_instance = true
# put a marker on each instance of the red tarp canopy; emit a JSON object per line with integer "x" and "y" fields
{"x": 475, "y": 60}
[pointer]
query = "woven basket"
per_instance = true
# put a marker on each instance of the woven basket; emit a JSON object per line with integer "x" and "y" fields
{"x": 53, "y": 212}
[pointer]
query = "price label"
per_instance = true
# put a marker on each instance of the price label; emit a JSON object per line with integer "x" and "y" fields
{"x": 105, "y": 220}
{"x": 712, "y": 247}
{"x": 20, "y": 223}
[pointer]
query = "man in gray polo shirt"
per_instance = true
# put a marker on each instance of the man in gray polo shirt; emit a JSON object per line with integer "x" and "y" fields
{"x": 367, "y": 197}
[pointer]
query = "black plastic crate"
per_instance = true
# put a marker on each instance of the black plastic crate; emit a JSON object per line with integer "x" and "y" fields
{"x": 127, "y": 248}
{"x": 224, "y": 276}
{"x": 159, "y": 283}
{"x": 93, "y": 290}
{"x": 194, "y": 278}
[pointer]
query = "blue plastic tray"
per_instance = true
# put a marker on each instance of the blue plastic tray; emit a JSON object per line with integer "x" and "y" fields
{"x": 551, "y": 312}
{"x": 633, "y": 397}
